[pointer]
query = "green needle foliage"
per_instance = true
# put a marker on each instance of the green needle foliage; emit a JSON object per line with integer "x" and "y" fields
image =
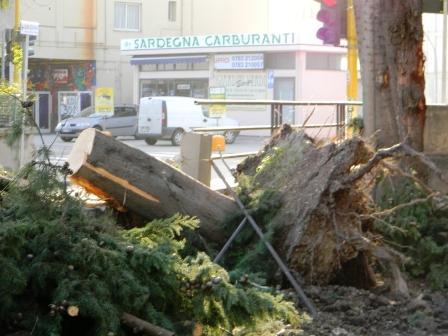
{"x": 55, "y": 254}
{"x": 420, "y": 232}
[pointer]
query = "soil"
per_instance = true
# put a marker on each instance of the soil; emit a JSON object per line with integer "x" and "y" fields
{"x": 347, "y": 311}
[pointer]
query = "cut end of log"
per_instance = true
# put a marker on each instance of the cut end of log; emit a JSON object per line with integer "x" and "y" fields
{"x": 81, "y": 149}
{"x": 73, "y": 311}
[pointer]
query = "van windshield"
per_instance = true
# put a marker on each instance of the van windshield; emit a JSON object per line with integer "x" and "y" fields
{"x": 216, "y": 114}
{"x": 205, "y": 110}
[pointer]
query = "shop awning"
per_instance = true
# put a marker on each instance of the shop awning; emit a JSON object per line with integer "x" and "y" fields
{"x": 168, "y": 59}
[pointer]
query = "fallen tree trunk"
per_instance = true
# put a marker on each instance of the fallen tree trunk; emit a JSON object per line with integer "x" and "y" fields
{"x": 131, "y": 179}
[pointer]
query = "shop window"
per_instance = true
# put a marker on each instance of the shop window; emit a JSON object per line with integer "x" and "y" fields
{"x": 174, "y": 66}
{"x": 172, "y": 87}
{"x": 183, "y": 66}
{"x": 165, "y": 67}
{"x": 127, "y": 16}
{"x": 172, "y": 8}
{"x": 201, "y": 66}
{"x": 321, "y": 61}
{"x": 148, "y": 67}
{"x": 280, "y": 61}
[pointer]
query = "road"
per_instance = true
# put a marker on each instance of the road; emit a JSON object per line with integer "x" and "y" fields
{"x": 162, "y": 150}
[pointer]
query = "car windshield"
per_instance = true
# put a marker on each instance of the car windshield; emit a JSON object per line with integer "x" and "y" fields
{"x": 87, "y": 112}
{"x": 97, "y": 115}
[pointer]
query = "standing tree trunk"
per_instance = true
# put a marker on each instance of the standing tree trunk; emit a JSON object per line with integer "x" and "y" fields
{"x": 390, "y": 43}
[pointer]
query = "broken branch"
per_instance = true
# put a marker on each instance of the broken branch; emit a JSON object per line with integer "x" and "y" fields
{"x": 144, "y": 326}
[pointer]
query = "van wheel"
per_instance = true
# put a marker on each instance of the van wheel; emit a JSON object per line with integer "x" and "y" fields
{"x": 177, "y": 136}
{"x": 66, "y": 139}
{"x": 151, "y": 141}
{"x": 230, "y": 136}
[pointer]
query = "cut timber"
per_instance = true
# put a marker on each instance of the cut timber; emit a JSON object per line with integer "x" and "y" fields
{"x": 131, "y": 179}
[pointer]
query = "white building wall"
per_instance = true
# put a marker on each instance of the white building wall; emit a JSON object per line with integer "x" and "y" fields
{"x": 83, "y": 30}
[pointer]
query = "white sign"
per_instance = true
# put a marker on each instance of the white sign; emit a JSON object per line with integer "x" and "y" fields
{"x": 239, "y": 62}
{"x": 183, "y": 86}
{"x": 208, "y": 41}
{"x": 29, "y": 28}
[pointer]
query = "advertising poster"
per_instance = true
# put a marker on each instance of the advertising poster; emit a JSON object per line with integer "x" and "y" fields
{"x": 217, "y": 111}
{"x": 68, "y": 104}
{"x": 249, "y": 86}
{"x": 60, "y": 76}
{"x": 104, "y": 100}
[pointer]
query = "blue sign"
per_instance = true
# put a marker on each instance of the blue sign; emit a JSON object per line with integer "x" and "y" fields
{"x": 270, "y": 79}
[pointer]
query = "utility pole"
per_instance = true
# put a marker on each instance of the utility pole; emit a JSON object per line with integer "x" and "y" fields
{"x": 25, "y": 98}
{"x": 16, "y": 30}
{"x": 352, "y": 60}
{"x": 3, "y": 65}
{"x": 27, "y": 29}
{"x": 444, "y": 50}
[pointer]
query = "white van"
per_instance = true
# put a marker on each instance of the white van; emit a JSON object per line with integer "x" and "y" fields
{"x": 170, "y": 117}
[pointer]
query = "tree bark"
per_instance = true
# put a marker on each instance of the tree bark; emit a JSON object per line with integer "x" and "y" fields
{"x": 390, "y": 40}
{"x": 130, "y": 179}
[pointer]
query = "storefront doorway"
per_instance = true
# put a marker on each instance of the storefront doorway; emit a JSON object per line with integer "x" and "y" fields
{"x": 42, "y": 111}
{"x": 284, "y": 89}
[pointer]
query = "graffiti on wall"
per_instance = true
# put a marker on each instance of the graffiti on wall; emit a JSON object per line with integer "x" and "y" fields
{"x": 70, "y": 76}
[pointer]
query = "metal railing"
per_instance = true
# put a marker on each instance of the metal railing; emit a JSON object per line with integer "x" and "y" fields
{"x": 9, "y": 110}
{"x": 277, "y": 113}
{"x": 276, "y": 109}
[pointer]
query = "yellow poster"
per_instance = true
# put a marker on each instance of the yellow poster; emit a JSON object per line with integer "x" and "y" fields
{"x": 104, "y": 100}
{"x": 217, "y": 111}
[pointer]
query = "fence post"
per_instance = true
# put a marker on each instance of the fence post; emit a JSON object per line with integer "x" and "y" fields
{"x": 196, "y": 151}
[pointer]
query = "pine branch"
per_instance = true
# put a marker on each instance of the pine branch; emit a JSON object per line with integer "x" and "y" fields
{"x": 390, "y": 211}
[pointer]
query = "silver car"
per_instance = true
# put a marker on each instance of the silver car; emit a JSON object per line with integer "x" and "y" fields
{"x": 122, "y": 123}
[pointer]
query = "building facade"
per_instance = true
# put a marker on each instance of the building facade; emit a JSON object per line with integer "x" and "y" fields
{"x": 245, "y": 66}
{"x": 80, "y": 47}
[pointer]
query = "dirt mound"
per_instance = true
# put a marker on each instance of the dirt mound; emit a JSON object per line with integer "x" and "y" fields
{"x": 347, "y": 311}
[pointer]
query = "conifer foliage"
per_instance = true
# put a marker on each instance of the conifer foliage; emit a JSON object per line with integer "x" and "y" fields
{"x": 66, "y": 271}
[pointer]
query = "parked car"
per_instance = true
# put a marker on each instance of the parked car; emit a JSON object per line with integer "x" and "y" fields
{"x": 122, "y": 123}
{"x": 170, "y": 117}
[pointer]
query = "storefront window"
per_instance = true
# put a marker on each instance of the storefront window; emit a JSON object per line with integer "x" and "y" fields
{"x": 174, "y": 67}
{"x": 174, "y": 87}
{"x": 183, "y": 66}
{"x": 165, "y": 67}
{"x": 148, "y": 67}
{"x": 201, "y": 66}
{"x": 321, "y": 61}
{"x": 280, "y": 61}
